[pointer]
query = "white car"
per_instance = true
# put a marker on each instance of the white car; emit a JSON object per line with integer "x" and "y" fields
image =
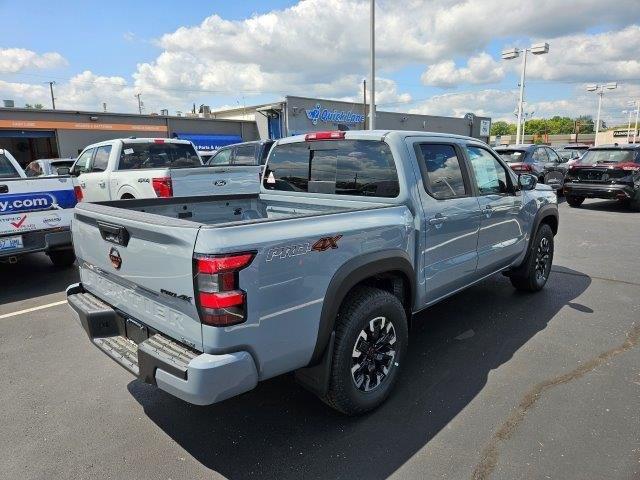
{"x": 128, "y": 168}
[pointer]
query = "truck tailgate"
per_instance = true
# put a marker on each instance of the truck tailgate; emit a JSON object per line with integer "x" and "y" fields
{"x": 144, "y": 270}
{"x": 215, "y": 180}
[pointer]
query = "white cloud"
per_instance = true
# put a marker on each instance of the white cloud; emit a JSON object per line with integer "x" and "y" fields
{"x": 13, "y": 60}
{"x": 129, "y": 36}
{"x": 590, "y": 58}
{"x": 480, "y": 69}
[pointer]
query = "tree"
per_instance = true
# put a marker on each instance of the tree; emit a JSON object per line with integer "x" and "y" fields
{"x": 37, "y": 106}
{"x": 502, "y": 128}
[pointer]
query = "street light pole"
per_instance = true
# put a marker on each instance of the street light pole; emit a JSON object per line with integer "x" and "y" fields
{"x": 599, "y": 89}
{"x": 635, "y": 131}
{"x": 629, "y": 126}
{"x": 510, "y": 54}
{"x": 372, "y": 107}
{"x": 520, "y": 106}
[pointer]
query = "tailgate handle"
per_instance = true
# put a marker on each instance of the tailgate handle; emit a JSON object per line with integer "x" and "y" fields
{"x": 4, "y": 188}
{"x": 114, "y": 233}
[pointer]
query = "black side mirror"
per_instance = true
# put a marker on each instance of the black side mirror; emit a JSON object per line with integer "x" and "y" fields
{"x": 63, "y": 170}
{"x": 527, "y": 182}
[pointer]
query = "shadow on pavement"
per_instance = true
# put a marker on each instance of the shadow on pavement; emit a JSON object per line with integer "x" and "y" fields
{"x": 33, "y": 276}
{"x": 608, "y": 206}
{"x": 279, "y": 430}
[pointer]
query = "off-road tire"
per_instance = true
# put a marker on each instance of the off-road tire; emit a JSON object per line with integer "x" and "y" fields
{"x": 62, "y": 258}
{"x": 364, "y": 305}
{"x": 574, "y": 201}
{"x": 531, "y": 276}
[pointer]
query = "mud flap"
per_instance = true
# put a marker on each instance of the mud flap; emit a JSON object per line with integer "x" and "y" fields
{"x": 316, "y": 378}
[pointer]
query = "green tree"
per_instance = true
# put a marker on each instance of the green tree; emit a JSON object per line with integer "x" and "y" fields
{"x": 37, "y": 106}
{"x": 502, "y": 128}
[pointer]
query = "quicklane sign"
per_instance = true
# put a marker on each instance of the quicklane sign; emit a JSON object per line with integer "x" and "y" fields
{"x": 319, "y": 114}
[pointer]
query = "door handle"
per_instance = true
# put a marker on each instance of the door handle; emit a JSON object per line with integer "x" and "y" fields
{"x": 102, "y": 184}
{"x": 488, "y": 210}
{"x": 437, "y": 221}
{"x": 83, "y": 185}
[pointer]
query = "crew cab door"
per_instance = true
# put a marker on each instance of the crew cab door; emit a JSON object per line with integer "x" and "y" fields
{"x": 80, "y": 169}
{"x": 502, "y": 234}
{"x": 96, "y": 180}
{"x": 451, "y": 218}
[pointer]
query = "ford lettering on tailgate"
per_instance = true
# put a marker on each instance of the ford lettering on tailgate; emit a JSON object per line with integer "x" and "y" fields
{"x": 31, "y": 202}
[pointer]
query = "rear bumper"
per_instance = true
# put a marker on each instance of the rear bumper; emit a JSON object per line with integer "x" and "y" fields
{"x": 608, "y": 191}
{"x": 198, "y": 378}
{"x": 41, "y": 241}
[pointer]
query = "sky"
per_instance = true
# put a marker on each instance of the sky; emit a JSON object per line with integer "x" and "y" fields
{"x": 439, "y": 57}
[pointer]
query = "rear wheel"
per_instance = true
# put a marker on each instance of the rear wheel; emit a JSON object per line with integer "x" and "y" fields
{"x": 574, "y": 201}
{"x": 62, "y": 258}
{"x": 533, "y": 274}
{"x": 370, "y": 345}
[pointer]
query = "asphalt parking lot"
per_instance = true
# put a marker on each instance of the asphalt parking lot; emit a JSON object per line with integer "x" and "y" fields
{"x": 498, "y": 384}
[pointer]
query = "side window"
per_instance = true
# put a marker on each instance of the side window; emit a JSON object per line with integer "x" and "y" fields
{"x": 490, "y": 175}
{"x": 344, "y": 167}
{"x": 101, "y": 160}
{"x": 553, "y": 156}
{"x": 33, "y": 169}
{"x": 82, "y": 164}
{"x": 441, "y": 170}
{"x": 540, "y": 155}
{"x": 265, "y": 152}
{"x": 221, "y": 158}
{"x": 244, "y": 155}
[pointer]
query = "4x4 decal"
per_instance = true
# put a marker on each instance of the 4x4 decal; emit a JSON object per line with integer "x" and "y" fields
{"x": 326, "y": 243}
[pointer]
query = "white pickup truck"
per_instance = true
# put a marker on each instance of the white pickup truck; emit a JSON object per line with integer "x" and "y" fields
{"x": 35, "y": 214}
{"x": 155, "y": 167}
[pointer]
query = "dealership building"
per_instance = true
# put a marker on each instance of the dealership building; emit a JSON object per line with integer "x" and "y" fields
{"x": 30, "y": 134}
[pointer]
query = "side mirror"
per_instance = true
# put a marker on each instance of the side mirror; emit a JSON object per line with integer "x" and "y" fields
{"x": 63, "y": 170}
{"x": 527, "y": 182}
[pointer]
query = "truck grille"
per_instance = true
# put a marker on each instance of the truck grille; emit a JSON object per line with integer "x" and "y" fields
{"x": 599, "y": 175}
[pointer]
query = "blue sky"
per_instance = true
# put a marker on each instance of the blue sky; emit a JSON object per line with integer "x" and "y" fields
{"x": 110, "y": 41}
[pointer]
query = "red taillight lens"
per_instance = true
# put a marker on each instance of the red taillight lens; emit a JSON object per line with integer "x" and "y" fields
{"x": 162, "y": 186}
{"x": 634, "y": 167}
{"x": 337, "y": 135}
{"x": 78, "y": 191}
{"x": 158, "y": 140}
{"x": 220, "y": 300}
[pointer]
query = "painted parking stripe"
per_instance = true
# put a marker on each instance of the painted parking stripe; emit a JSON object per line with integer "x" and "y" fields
{"x": 33, "y": 309}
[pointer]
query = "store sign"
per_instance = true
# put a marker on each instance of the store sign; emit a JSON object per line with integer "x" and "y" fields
{"x": 325, "y": 115}
{"x": 485, "y": 128}
{"x": 623, "y": 133}
{"x": 53, "y": 124}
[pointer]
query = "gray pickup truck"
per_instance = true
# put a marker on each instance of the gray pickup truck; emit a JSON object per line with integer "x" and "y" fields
{"x": 320, "y": 273}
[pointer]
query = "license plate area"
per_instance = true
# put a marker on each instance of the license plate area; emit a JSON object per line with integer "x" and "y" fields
{"x": 136, "y": 332}
{"x": 11, "y": 243}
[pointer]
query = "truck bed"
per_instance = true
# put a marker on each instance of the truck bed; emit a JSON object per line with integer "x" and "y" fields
{"x": 220, "y": 211}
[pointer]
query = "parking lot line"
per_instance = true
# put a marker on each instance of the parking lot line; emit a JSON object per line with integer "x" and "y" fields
{"x": 32, "y": 309}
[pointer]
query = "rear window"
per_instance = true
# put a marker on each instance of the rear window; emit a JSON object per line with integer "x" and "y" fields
{"x": 512, "y": 156}
{"x": 591, "y": 157}
{"x": 158, "y": 155}
{"x": 7, "y": 169}
{"x": 344, "y": 167}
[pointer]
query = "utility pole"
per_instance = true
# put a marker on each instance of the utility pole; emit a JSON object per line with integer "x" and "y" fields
{"x": 372, "y": 107}
{"x": 138, "y": 95}
{"x": 53, "y": 99}
{"x": 364, "y": 103}
{"x": 635, "y": 131}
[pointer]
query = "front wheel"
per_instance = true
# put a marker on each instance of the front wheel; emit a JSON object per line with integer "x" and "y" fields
{"x": 574, "y": 201}
{"x": 62, "y": 258}
{"x": 533, "y": 274}
{"x": 370, "y": 345}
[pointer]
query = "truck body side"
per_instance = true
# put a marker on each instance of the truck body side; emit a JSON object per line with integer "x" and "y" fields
{"x": 308, "y": 251}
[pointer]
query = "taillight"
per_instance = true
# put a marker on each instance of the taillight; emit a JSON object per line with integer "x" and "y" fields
{"x": 634, "y": 167}
{"x": 78, "y": 192}
{"x": 220, "y": 300}
{"x": 162, "y": 186}
{"x": 337, "y": 135}
{"x": 158, "y": 140}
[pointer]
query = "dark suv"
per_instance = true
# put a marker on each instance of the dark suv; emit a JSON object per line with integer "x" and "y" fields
{"x": 608, "y": 171}
{"x": 538, "y": 160}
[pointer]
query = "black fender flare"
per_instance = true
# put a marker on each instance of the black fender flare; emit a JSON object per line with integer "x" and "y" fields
{"x": 349, "y": 275}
